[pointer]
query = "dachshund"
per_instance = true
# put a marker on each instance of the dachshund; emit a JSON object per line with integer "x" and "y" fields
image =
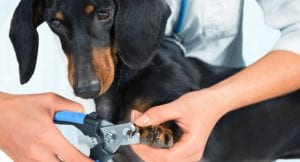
{"x": 119, "y": 56}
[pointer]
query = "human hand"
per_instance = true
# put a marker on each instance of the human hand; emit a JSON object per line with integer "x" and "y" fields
{"x": 27, "y": 130}
{"x": 196, "y": 113}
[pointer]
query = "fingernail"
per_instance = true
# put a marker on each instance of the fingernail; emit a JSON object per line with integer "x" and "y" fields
{"x": 132, "y": 117}
{"x": 142, "y": 121}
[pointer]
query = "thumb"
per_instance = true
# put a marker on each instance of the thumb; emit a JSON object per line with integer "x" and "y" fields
{"x": 158, "y": 115}
{"x": 59, "y": 103}
{"x": 135, "y": 114}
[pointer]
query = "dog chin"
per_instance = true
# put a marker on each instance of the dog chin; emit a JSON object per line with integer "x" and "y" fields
{"x": 86, "y": 94}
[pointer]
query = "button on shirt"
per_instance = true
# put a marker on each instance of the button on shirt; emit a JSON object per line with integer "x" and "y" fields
{"x": 212, "y": 29}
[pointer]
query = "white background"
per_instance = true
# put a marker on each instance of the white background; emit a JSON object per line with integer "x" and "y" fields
{"x": 51, "y": 75}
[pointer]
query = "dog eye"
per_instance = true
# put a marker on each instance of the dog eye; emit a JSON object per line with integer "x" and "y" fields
{"x": 103, "y": 14}
{"x": 55, "y": 23}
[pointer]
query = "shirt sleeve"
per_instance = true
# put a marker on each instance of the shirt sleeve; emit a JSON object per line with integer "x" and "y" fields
{"x": 284, "y": 15}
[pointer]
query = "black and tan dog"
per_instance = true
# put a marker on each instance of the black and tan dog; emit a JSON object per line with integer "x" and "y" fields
{"x": 118, "y": 55}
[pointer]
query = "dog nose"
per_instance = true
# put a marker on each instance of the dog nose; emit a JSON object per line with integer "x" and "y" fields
{"x": 86, "y": 83}
{"x": 87, "y": 90}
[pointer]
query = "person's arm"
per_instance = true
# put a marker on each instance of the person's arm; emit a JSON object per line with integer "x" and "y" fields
{"x": 28, "y": 132}
{"x": 275, "y": 74}
{"x": 197, "y": 112}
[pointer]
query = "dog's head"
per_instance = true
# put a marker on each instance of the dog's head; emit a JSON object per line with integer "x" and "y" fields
{"x": 95, "y": 35}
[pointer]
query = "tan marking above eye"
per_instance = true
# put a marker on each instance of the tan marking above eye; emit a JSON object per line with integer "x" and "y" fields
{"x": 59, "y": 15}
{"x": 89, "y": 8}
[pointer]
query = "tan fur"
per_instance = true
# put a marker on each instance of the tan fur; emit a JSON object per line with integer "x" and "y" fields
{"x": 71, "y": 69}
{"x": 59, "y": 15}
{"x": 156, "y": 136}
{"x": 104, "y": 64}
{"x": 141, "y": 104}
{"x": 89, "y": 8}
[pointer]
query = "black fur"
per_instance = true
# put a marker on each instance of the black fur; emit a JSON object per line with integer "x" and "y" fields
{"x": 132, "y": 37}
{"x": 152, "y": 68}
{"x": 24, "y": 36}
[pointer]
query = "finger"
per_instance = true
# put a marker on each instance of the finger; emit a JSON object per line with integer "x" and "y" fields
{"x": 158, "y": 115}
{"x": 150, "y": 154}
{"x": 158, "y": 155}
{"x": 59, "y": 158}
{"x": 41, "y": 154}
{"x": 50, "y": 158}
{"x": 59, "y": 103}
{"x": 180, "y": 152}
{"x": 135, "y": 114}
{"x": 65, "y": 150}
{"x": 185, "y": 148}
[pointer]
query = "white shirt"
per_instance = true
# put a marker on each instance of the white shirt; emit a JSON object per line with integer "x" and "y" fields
{"x": 212, "y": 29}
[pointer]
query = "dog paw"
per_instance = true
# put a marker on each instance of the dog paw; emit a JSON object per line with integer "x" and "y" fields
{"x": 157, "y": 136}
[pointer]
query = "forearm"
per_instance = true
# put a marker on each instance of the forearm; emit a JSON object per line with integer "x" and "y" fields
{"x": 3, "y": 97}
{"x": 275, "y": 74}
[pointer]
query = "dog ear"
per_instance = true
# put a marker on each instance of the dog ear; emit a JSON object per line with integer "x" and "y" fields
{"x": 140, "y": 27}
{"x": 24, "y": 36}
